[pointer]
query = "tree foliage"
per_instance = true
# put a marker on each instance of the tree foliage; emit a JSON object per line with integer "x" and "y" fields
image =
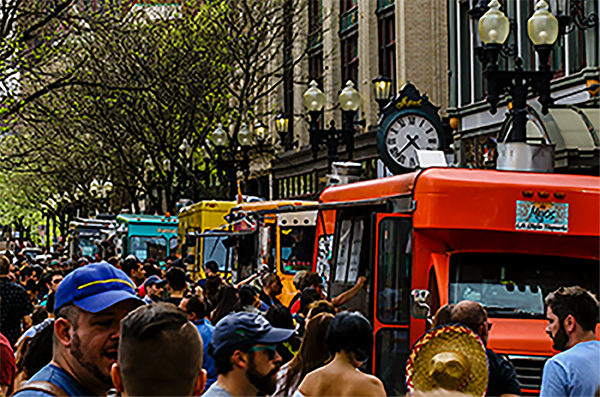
{"x": 113, "y": 94}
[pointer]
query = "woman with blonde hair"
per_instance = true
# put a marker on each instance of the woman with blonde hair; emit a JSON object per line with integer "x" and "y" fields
{"x": 313, "y": 354}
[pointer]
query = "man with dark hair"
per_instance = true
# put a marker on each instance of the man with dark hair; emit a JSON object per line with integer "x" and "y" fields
{"x": 211, "y": 270}
{"x": 16, "y": 305}
{"x": 502, "y": 377}
{"x": 159, "y": 334}
{"x": 196, "y": 311}
{"x": 243, "y": 346}
{"x": 155, "y": 288}
{"x": 134, "y": 270}
{"x": 90, "y": 303}
{"x": 572, "y": 313}
{"x": 176, "y": 285}
{"x": 272, "y": 288}
{"x": 52, "y": 282}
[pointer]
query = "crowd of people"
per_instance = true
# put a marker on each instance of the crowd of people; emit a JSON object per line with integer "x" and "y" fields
{"x": 132, "y": 328}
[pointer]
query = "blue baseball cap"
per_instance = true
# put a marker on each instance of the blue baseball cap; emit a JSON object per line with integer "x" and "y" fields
{"x": 239, "y": 331}
{"x": 153, "y": 280}
{"x": 95, "y": 287}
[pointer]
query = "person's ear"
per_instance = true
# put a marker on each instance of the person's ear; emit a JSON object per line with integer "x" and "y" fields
{"x": 115, "y": 374}
{"x": 569, "y": 324}
{"x": 239, "y": 359}
{"x": 63, "y": 330}
{"x": 192, "y": 317}
{"x": 200, "y": 383}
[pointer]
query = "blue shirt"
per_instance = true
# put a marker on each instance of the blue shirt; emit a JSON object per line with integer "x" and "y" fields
{"x": 205, "y": 329}
{"x": 59, "y": 377}
{"x": 574, "y": 372}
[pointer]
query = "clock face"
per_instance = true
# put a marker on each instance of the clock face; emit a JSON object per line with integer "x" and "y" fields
{"x": 408, "y": 133}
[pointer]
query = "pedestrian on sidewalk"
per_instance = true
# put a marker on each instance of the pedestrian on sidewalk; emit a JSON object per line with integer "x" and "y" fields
{"x": 244, "y": 349}
{"x": 572, "y": 313}
{"x": 90, "y": 303}
{"x": 502, "y": 379}
{"x": 350, "y": 339}
{"x": 160, "y": 354}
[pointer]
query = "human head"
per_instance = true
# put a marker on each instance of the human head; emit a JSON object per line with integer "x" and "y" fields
{"x": 159, "y": 333}
{"x": 243, "y": 348}
{"x": 155, "y": 287}
{"x": 350, "y": 332}
{"x": 313, "y": 280}
{"x": 90, "y": 303}
{"x": 4, "y": 266}
{"x": 150, "y": 270}
{"x": 54, "y": 280}
{"x": 226, "y": 301}
{"x": 194, "y": 307}
{"x": 473, "y": 315}
{"x": 175, "y": 279}
{"x": 442, "y": 316}
{"x": 133, "y": 269}
{"x": 319, "y": 307}
{"x": 309, "y": 295}
{"x": 272, "y": 285}
{"x": 212, "y": 268}
{"x": 38, "y": 352}
{"x": 299, "y": 279}
{"x": 313, "y": 352}
{"x": 248, "y": 296}
{"x": 572, "y": 312}
{"x": 280, "y": 317}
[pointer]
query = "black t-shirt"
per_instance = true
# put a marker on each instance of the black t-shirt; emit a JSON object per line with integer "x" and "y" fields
{"x": 15, "y": 305}
{"x": 502, "y": 376}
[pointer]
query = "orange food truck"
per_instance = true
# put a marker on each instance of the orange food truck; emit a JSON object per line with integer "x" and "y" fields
{"x": 442, "y": 235}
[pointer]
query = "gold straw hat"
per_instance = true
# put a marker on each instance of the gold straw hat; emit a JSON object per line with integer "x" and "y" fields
{"x": 450, "y": 357}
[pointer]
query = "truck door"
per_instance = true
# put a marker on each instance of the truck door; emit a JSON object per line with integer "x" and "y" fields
{"x": 391, "y": 299}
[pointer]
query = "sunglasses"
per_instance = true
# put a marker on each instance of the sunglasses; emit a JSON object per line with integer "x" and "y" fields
{"x": 271, "y": 350}
{"x": 57, "y": 281}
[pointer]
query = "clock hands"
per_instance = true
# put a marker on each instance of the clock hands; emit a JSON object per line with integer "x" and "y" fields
{"x": 411, "y": 142}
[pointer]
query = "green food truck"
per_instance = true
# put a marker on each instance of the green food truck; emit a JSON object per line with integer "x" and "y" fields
{"x": 147, "y": 236}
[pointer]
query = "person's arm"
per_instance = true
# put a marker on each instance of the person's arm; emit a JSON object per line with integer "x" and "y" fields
{"x": 554, "y": 380}
{"x": 351, "y": 293}
{"x": 246, "y": 281}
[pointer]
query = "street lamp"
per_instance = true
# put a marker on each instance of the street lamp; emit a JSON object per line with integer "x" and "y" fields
{"x": 494, "y": 28}
{"x": 282, "y": 127}
{"x": 260, "y": 131}
{"x": 382, "y": 87}
{"x": 230, "y": 162}
{"x": 314, "y": 102}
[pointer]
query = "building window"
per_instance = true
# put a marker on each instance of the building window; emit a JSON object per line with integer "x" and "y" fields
{"x": 386, "y": 27}
{"x": 349, "y": 40}
{"x": 315, "y": 42}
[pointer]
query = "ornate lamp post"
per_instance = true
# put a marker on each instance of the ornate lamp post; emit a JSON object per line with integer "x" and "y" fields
{"x": 382, "y": 87}
{"x": 543, "y": 29}
{"x": 314, "y": 101}
{"x": 236, "y": 158}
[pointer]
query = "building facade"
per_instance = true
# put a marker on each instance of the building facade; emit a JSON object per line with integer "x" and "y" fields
{"x": 356, "y": 40}
{"x": 573, "y": 122}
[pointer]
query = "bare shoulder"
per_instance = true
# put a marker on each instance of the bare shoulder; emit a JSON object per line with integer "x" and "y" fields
{"x": 369, "y": 385}
{"x": 310, "y": 384}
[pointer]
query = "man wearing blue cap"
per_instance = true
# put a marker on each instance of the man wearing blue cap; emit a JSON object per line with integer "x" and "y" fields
{"x": 243, "y": 346}
{"x": 155, "y": 289}
{"x": 90, "y": 303}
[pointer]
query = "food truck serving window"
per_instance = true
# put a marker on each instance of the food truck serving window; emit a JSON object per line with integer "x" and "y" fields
{"x": 297, "y": 246}
{"x": 514, "y": 285}
{"x": 149, "y": 247}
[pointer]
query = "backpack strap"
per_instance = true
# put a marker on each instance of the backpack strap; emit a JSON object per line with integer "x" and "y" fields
{"x": 43, "y": 386}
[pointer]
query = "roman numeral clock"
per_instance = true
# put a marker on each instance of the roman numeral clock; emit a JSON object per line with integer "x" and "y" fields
{"x": 409, "y": 122}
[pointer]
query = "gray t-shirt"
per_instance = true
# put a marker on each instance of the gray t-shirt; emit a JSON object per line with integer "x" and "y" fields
{"x": 216, "y": 391}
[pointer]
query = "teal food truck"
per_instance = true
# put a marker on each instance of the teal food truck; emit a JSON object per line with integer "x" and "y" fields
{"x": 147, "y": 236}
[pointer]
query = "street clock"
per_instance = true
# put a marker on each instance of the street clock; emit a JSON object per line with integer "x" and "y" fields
{"x": 407, "y": 124}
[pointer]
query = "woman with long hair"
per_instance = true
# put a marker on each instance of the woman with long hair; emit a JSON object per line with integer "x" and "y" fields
{"x": 226, "y": 300}
{"x": 313, "y": 354}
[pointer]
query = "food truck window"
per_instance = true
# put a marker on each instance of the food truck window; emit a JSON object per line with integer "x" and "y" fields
{"x": 149, "y": 247}
{"x": 514, "y": 285}
{"x": 393, "y": 270}
{"x": 214, "y": 250}
{"x": 392, "y": 351}
{"x": 297, "y": 246}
